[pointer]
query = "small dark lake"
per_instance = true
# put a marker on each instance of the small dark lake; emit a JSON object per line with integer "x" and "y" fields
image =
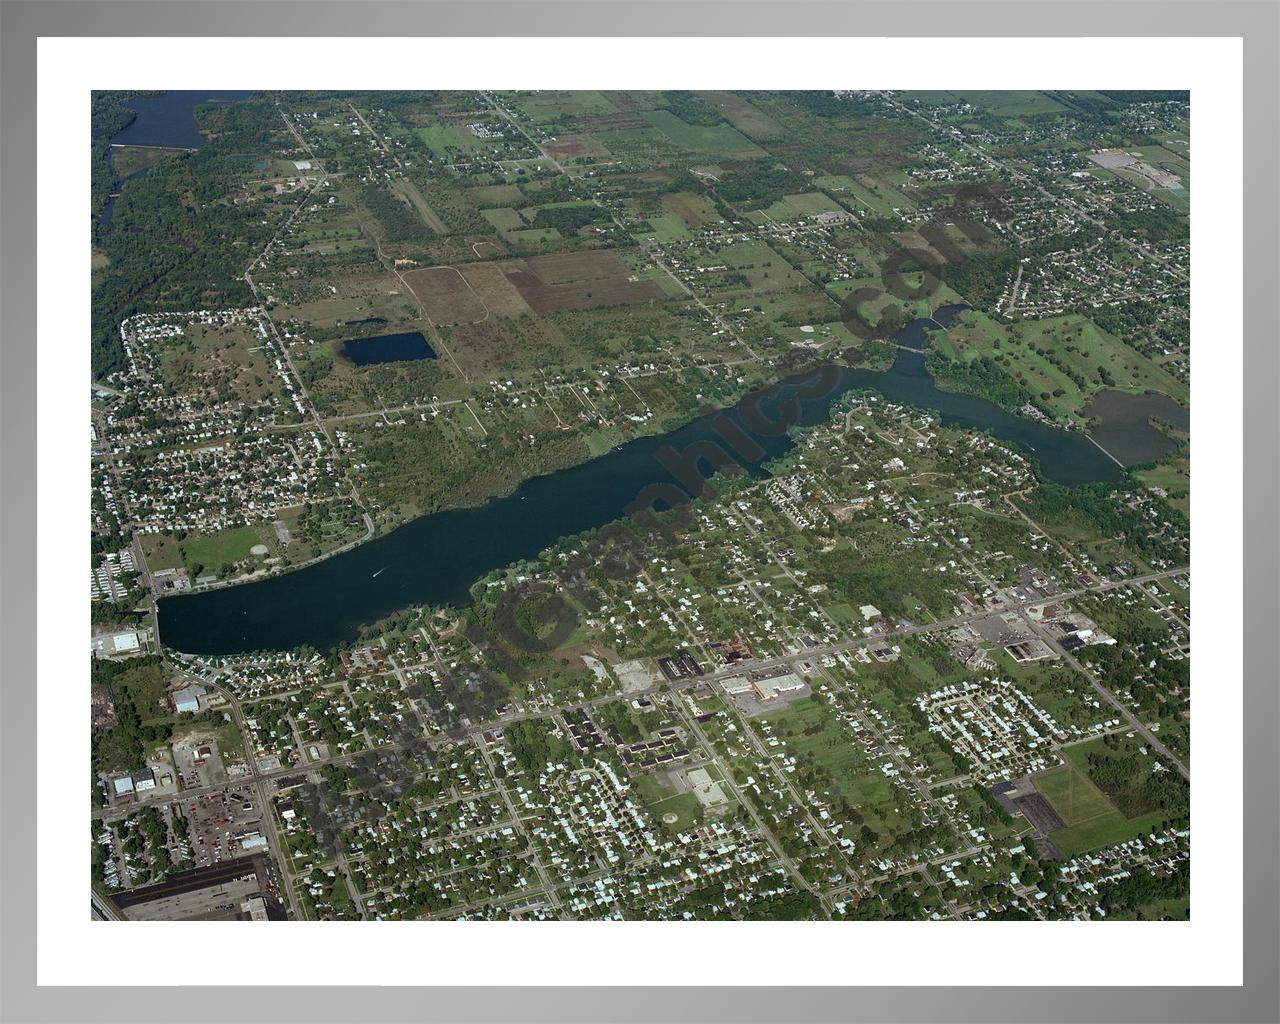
{"x": 1124, "y": 424}
{"x": 436, "y": 559}
{"x": 388, "y": 348}
{"x": 169, "y": 120}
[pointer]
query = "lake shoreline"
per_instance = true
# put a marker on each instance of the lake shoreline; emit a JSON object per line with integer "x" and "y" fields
{"x": 437, "y": 558}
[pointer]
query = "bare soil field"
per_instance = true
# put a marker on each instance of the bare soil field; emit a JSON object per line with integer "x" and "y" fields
{"x": 578, "y": 280}
{"x": 541, "y": 284}
{"x": 445, "y": 295}
{"x": 499, "y": 295}
{"x": 605, "y": 291}
{"x": 575, "y": 145}
{"x": 566, "y": 267}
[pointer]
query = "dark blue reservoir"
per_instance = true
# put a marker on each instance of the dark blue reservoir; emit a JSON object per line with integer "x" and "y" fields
{"x": 388, "y": 348}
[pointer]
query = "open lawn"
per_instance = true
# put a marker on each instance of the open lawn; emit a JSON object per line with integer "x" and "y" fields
{"x": 209, "y": 553}
{"x": 446, "y": 140}
{"x": 796, "y": 208}
{"x": 825, "y": 748}
{"x": 664, "y": 227}
{"x": 659, "y": 801}
{"x": 1092, "y": 819}
{"x": 875, "y": 197}
{"x": 1074, "y": 797}
{"x": 1175, "y": 478}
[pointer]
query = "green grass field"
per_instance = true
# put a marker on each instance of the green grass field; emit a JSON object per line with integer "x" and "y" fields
{"x": 551, "y": 103}
{"x": 1073, "y": 796}
{"x": 504, "y": 219}
{"x": 796, "y": 208}
{"x": 1175, "y": 478}
{"x": 440, "y": 138}
{"x": 873, "y": 308}
{"x": 714, "y": 140}
{"x": 813, "y": 733}
{"x": 750, "y": 120}
{"x": 658, "y": 801}
{"x": 866, "y": 197}
{"x": 496, "y": 195}
{"x": 1010, "y": 102}
{"x": 1092, "y": 820}
{"x": 665, "y": 227}
{"x": 225, "y": 547}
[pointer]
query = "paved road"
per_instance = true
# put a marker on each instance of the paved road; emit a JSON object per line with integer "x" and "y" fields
{"x": 103, "y": 908}
{"x": 257, "y": 780}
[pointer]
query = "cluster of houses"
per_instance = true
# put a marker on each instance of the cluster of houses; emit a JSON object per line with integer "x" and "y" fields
{"x": 203, "y": 458}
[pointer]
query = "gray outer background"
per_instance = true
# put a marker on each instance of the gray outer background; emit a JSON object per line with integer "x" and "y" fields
{"x": 1259, "y": 24}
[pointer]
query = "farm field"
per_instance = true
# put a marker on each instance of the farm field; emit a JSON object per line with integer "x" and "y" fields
{"x": 1001, "y": 102}
{"x": 713, "y": 140}
{"x": 539, "y": 284}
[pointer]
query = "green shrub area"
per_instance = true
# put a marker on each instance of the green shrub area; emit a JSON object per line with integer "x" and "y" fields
{"x": 137, "y": 689}
{"x": 1133, "y": 787}
{"x": 1104, "y": 511}
{"x": 569, "y": 219}
{"x": 399, "y": 222}
{"x": 983, "y": 377}
{"x": 535, "y": 745}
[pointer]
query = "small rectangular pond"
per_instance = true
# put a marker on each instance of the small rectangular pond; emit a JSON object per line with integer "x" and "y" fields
{"x": 388, "y": 348}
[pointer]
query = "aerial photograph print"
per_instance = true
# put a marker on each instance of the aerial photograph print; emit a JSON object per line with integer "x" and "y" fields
{"x": 640, "y": 505}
